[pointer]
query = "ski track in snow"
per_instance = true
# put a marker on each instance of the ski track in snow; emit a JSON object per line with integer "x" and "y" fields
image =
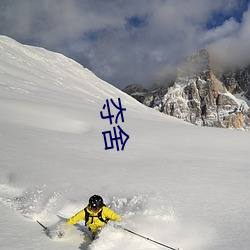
{"x": 145, "y": 214}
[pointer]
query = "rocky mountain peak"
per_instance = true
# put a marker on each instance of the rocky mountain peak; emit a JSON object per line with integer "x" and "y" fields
{"x": 196, "y": 64}
{"x": 200, "y": 96}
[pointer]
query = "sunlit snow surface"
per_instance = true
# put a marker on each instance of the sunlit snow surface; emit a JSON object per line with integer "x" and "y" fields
{"x": 181, "y": 185}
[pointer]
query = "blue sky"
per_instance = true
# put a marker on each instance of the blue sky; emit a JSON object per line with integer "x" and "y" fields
{"x": 218, "y": 17}
{"x": 131, "y": 41}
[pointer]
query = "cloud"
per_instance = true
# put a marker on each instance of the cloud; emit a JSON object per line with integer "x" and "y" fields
{"x": 228, "y": 28}
{"x": 233, "y": 49}
{"x": 125, "y": 42}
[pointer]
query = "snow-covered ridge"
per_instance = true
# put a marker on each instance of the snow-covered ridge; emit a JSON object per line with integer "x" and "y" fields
{"x": 34, "y": 66}
{"x": 33, "y": 74}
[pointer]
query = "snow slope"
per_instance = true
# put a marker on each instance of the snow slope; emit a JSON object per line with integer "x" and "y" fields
{"x": 176, "y": 183}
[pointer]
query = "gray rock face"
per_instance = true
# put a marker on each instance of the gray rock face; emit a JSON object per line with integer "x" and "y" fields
{"x": 237, "y": 81}
{"x": 200, "y": 97}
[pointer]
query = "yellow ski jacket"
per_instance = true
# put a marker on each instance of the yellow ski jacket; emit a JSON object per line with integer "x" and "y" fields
{"x": 94, "y": 223}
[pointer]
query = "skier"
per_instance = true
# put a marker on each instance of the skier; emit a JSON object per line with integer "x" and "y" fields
{"x": 95, "y": 214}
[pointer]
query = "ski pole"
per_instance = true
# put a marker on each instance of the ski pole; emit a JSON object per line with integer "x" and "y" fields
{"x": 146, "y": 238}
{"x": 45, "y": 228}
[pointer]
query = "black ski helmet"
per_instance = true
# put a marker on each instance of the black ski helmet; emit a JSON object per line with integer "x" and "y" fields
{"x": 96, "y": 202}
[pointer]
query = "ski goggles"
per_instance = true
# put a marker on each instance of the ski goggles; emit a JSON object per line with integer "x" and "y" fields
{"x": 94, "y": 208}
